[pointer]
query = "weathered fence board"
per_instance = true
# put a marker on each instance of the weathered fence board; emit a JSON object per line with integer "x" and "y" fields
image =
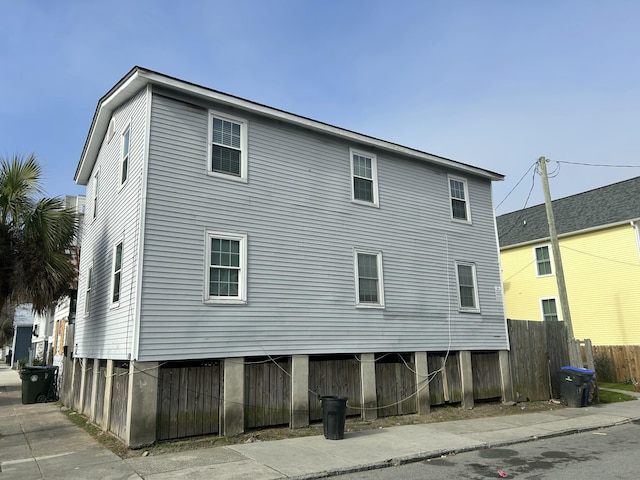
{"x": 120, "y": 393}
{"x": 538, "y": 351}
{"x": 267, "y": 392}
{"x": 445, "y": 385}
{"x": 188, "y": 399}
{"x": 395, "y": 385}
{"x": 77, "y": 379}
{"x": 487, "y": 382}
{"x": 100, "y": 389}
{"x": 624, "y": 361}
{"x": 88, "y": 386}
{"x": 334, "y": 375}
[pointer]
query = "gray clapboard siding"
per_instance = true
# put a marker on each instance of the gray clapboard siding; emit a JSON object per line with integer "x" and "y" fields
{"x": 107, "y": 331}
{"x": 302, "y": 227}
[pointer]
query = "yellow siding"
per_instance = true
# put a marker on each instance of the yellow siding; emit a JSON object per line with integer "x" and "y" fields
{"x": 602, "y": 272}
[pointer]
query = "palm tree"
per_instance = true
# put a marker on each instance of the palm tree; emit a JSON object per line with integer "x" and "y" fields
{"x": 35, "y": 238}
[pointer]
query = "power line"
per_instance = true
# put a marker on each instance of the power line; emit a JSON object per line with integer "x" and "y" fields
{"x": 533, "y": 183}
{"x": 598, "y": 256}
{"x": 597, "y": 164}
{"x": 516, "y": 185}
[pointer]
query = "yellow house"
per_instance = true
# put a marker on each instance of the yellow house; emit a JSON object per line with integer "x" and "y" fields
{"x": 599, "y": 238}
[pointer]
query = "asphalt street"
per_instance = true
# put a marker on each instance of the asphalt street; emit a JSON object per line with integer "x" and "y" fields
{"x": 611, "y": 453}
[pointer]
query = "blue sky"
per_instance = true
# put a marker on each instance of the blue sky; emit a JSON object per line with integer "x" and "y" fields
{"x": 491, "y": 83}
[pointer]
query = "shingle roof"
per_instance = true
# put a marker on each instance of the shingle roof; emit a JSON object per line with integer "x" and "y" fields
{"x": 602, "y": 206}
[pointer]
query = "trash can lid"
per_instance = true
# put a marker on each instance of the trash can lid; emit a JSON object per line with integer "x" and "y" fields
{"x": 578, "y": 370}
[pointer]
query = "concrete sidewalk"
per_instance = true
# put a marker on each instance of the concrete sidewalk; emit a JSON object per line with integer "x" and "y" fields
{"x": 38, "y": 441}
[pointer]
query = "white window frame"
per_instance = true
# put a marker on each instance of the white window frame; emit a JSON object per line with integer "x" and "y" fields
{"x": 374, "y": 177}
{"x": 244, "y": 126}
{"x": 94, "y": 209}
{"x": 379, "y": 264}
{"x": 111, "y": 130}
{"x": 87, "y": 291}
{"x": 556, "y": 303}
{"x": 467, "y": 203}
{"x": 114, "y": 272}
{"x": 476, "y": 298}
{"x": 535, "y": 261}
{"x": 125, "y": 156}
{"x": 241, "y": 298}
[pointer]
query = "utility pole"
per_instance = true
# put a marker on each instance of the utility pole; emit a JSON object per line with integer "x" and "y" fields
{"x": 557, "y": 260}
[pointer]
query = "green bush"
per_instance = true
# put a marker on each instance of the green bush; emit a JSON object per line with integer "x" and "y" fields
{"x": 604, "y": 368}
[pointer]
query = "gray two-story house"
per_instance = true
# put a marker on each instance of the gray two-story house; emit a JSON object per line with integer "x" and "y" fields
{"x": 222, "y": 234}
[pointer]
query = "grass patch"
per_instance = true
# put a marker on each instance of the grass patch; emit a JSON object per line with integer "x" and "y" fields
{"x": 619, "y": 386}
{"x": 103, "y": 438}
{"x": 607, "y": 396}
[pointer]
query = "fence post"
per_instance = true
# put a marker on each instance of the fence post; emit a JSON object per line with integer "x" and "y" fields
{"x": 591, "y": 364}
{"x": 422, "y": 383}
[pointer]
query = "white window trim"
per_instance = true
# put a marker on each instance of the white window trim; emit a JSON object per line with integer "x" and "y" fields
{"x": 241, "y": 299}
{"x": 88, "y": 288}
{"x": 467, "y": 203}
{"x": 94, "y": 196}
{"x": 378, "y": 254}
{"x": 535, "y": 261}
{"x": 475, "y": 309}
{"x": 374, "y": 177}
{"x": 111, "y": 130}
{"x": 113, "y": 273}
{"x": 558, "y": 309}
{"x": 122, "y": 157}
{"x": 244, "y": 143}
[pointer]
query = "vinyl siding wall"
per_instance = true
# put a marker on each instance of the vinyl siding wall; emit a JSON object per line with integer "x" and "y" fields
{"x": 107, "y": 331}
{"x": 302, "y": 228}
{"x": 602, "y": 273}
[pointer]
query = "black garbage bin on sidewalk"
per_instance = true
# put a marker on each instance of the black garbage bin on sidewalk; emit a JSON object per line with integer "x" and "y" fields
{"x": 575, "y": 385}
{"x": 334, "y": 414}
{"x": 38, "y": 384}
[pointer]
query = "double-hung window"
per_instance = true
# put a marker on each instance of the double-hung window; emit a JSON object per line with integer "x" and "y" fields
{"x": 543, "y": 261}
{"x": 124, "y": 161}
{"x": 117, "y": 273}
{"x": 226, "y": 268}
{"x": 364, "y": 178}
{"x": 227, "y": 147}
{"x": 87, "y": 291}
{"x": 467, "y": 286}
{"x": 459, "y": 199}
{"x": 549, "y": 309}
{"x": 368, "y": 276}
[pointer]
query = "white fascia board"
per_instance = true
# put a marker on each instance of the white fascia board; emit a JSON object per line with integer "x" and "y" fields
{"x": 129, "y": 87}
{"x": 141, "y": 77}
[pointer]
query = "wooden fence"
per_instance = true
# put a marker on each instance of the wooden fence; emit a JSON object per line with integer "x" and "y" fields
{"x": 334, "y": 375}
{"x": 538, "y": 351}
{"x": 395, "y": 385}
{"x": 100, "y": 391}
{"x": 119, "y": 396}
{"x": 267, "y": 392}
{"x": 620, "y": 363}
{"x": 88, "y": 386}
{"x": 188, "y": 399}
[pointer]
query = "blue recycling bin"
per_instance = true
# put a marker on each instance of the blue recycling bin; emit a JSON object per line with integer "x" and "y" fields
{"x": 575, "y": 386}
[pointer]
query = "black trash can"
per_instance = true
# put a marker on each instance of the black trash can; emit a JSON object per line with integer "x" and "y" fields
{"x": 38, "y": 384}
{"x": 334, "y": 414}
{"x": 575, "y": 386}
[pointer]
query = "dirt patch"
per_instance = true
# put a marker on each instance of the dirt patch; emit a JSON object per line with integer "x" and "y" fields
{"x": 446, "y": 413}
